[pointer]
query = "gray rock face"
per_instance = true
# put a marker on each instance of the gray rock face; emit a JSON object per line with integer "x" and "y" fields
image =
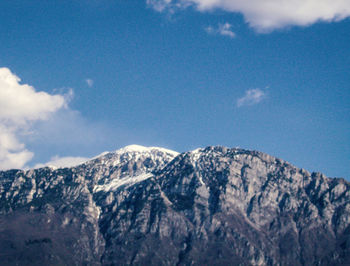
{"x": 151, "y": 206}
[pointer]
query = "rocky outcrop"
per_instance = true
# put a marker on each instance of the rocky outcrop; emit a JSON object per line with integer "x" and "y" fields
{"x": 140, "y": 206}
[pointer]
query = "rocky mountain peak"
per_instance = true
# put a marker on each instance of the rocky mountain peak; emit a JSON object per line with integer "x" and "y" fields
{"x": 148, "y": 205}
{"x": 133, "y": 153}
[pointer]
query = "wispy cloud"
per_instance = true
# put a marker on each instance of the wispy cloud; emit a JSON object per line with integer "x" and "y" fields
{"x": 251, "y": 97}
{"x": 159, "y": 5}
{"x": 265, "y": 16}
{"x": 89, "y": 82}
{"x": 222, "y": 29}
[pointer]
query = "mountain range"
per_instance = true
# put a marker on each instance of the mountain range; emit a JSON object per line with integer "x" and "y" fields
{"x": 153, "y": 206}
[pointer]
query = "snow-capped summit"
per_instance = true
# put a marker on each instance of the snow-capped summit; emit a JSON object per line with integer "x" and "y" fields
{"x": 143, "y": 149}
{"x": 134, "y": 153}
{"x": 128, "y": 165}
{"x": 148, "y": 205}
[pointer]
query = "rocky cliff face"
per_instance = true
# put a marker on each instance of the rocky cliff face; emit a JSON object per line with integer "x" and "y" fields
{"x": 141, "y": 206}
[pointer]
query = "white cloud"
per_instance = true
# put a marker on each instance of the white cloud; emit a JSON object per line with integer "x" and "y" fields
{"x": 251, "y": 97}
{"x": 222, "y": 29}
{"x": 60, "y": 162}
{"x": 21, "y": 104}
{"x": 89, "y": 82}
{"x": 267, "y": 15}
{"x": 13, "y": 154}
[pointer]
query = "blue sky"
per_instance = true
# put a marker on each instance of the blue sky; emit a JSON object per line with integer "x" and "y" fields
{"x": 177, "y": 74}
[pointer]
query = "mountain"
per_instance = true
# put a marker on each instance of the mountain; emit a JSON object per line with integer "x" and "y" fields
{"x": 153, "y": 206}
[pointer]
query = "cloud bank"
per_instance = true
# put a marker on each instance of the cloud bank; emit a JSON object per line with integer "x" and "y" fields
{"x": 268, "y": 15}
{"x": 251, "y": 97}
{"x": 20, "y": 105}
{"x": 61, "y": 162}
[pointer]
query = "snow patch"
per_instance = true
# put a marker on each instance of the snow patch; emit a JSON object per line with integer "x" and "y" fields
{"x": 143, "y": 149}
{"x": 116, "y": 183}
{"x": 196, "y": 154}
{"x": 196, "y": 151}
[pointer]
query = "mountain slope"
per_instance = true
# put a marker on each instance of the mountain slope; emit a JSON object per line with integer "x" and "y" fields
{"x": 142, "y": 205}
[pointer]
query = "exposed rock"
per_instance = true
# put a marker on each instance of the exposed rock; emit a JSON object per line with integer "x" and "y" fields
{"x": 141, "y": 206}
